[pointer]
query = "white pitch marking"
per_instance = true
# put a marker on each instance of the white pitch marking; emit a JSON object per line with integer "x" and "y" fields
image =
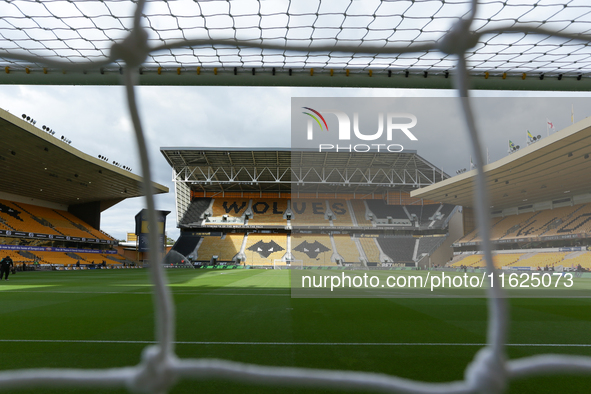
{"x": 298, "y": 343}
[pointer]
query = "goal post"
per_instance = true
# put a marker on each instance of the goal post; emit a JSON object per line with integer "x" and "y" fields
{"x": 279, "y": 264}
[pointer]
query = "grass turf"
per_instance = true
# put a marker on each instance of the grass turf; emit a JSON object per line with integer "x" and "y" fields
{"x": 43, "y": 314}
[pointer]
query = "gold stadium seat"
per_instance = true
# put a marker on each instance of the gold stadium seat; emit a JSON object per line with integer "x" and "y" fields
{"x": 312, "y": 249}
{"x": 309, "y": 212}
{"x": 347, "y": 248}
{"x": 371, "y": 249}
{"x": 263, "y": 249}
{"x": 225, "y": 248}
{"x": 268, "y": 212}
{"x": 359, "y": 211}
{"x": 340, "y": 209}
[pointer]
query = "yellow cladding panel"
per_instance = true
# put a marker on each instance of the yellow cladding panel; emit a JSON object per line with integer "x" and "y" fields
{"x": 146, "y": 228}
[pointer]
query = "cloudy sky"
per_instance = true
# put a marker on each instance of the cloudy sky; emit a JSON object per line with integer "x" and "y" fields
{"x": 96, "y": 120}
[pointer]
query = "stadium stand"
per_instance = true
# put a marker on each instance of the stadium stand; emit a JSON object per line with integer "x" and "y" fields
{"x": 110, "y": 259}
{"x": 51, "y": 203}
{"x": 314, "y": 250}
{"x": 28, "y": 255}
{"x": 65, "y": 226}
{"x": 538, "y": 224}
{"x": 67, "y": 223}
{"x": 52, "y": 258}
{"x": 346, "y": 248}
{"x": 185, "y": 244}
{"x": 225, "y": 248}
{"x": 547, "y": 223}
{"x": 263, "y": 249}
{"x": 20, "y": 220}
{"x": 423, "y": 213}
{"x": 470, "y": 260}
{"x": 575, "y": 220}
{"x": 541, "y": 260}
{"x": 473, "y": 235}
{"x": 268, "y": 212}
{"x": 428, "y": 244}
{"x": 456, "y": 260}
{"x": 4, "y": 226}
{"x": 548, "y": 227}
{"x": 531, "y": 260}
{"x": 500, "y": 260}
{"x": 359, "y": 212}
{"x": 506, "y": 259}
{"x": 262, "y": 211}
{"x": 415, "y": 211}
{"x": 116, "y": 259}
{"x": 63, "y": 258}
{"x": 309, "y": 212}
{"x": 195, "y": 211}
{"x": 32, "y": 218}
{"x": 582, "y": 258}
{"x": 501, "y": 227}
{"x": 511, "y": 224}
{"x": 442, "y": 216}
{"x": 229, "y": 211}
{"x": 399, "y": 249}
{"x": 8, "y": 214}
{"x": 383, "y": 211}
{"x": 371, "y": 249}
{"x": 430, "y": 210}
{"x": 15, "y": 256}
{"x": 234, "y": 207}
{"x": 341, "y": 214}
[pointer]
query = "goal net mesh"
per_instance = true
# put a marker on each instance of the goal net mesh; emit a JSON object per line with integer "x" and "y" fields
{"x": 397, "y": 36}
{"x": 462, "y": 37}
{"x": 289, "y": 264}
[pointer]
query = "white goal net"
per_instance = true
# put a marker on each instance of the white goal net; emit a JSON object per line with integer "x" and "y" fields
{"x": 279, "y": 264}
{"x": 55, "y": 41}
{"x": 510, "y": 44}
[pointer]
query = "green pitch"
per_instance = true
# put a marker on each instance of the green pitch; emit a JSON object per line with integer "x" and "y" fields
{"x": 103, "y": 319}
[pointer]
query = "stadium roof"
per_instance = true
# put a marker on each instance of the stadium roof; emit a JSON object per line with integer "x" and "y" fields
{"x": 37, "y": 165}
{"x": 554, "y": 168}
{"x": 284, "y": 170}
